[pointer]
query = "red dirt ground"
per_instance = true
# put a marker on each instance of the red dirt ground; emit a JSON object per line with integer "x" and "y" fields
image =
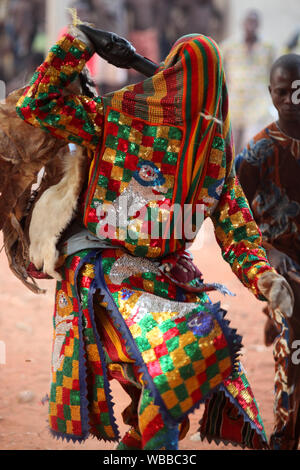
{"x": 26, "y": 329}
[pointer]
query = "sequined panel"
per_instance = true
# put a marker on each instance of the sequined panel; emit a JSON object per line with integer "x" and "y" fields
{"x": 135, "y": 175}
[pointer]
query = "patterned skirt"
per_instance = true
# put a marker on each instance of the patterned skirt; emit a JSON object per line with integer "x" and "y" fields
{"x": 118, "y": 317}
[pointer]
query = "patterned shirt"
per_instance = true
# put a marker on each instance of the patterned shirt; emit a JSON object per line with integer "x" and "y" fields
{"x": 269, "y": 171}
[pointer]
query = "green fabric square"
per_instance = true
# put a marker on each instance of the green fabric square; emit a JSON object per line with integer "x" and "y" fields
{"x": 147, "y": 323}
{"x": 172, "y": 343}
{"x": 175, "y": 133}
{"x": 111, "y": 195}
{"x": 166, "y": 326}
{"x": 114, "y": 117}
{"x": 218, "y": 143}
{"x": 141, "y": 251}
{"x": 103, "y": 181}
{"x": 166, "y": 364}
{"x": 176, "y": 411}
{"x": 58, "y": 51}
{"x": 120, "y": 158}
{"x": 222, "y": 354}
{"x": 162, "y": 383}
{"x": 240, "y": 234}
{"x": 124, "y": 132}
{"x": 75, "y": 52}
{"x": 212, "y": 371}
{"x": 160, "y": 144}
{"x": 193, "y": 351}
{"x": 150, "y": 131}
{"x": 205, "y": 388}
{"x": 67, "y": 412}
{"x": 112, "y": 142}
{"x": 62, "y": 427}
{"x": 127, "y": 175}
{"x": 143, "y": 344}
{"x": 181, "y": 392}
{"x": 133, "y": 149}
{"x": 74, "y": 398}
{"x": 67, "y": 367}
{"x": 170, "y": 158}
{"x": 226, "y": 225}
{"x": 182, "y": 327}
{"x": 187, "y": 371}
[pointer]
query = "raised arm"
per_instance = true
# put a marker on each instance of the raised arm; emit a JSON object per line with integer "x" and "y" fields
{"x": 47, "y": 102}
{"x": 237, "y": 232}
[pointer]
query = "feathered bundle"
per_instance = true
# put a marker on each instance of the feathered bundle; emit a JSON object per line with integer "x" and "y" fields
{"x": 26, "y": 151}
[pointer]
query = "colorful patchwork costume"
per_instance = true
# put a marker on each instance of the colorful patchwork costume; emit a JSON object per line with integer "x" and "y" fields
{"x": 157, "y": 145}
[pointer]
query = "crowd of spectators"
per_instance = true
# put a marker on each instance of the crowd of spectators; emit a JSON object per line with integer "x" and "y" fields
{"x": 151, "y": 25}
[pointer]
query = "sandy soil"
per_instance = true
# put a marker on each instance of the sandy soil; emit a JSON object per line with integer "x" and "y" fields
{"x": 26, "y": 330}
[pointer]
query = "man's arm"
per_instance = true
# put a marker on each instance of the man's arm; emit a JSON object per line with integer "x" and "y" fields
{"x": 47, "y": 104}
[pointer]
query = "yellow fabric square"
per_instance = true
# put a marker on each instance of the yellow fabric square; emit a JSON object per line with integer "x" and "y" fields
{"x": 100, "y": 193}
{"x": 135, "y": 136}
{"x": 135, "y": 330}
{"x": 155, "y": 337}
{"x": 162, "y": 132}
{"x": 149, "y": 356}
{"x": 174, "y": 378}
{"x": 75, "y": 412}
{"x": 199, "y": 366}
{"x": 92, "y": 352}
{"x": 186, "y": 404}
{"x": 216, "y": 380}
{"x": 69, "y": 427}
{"x": 109, "y": 155}
{"x": 109, "y": 431}
{"x": 146, "y": 153}
{"x": 185, "y": 339}
{"x": 67, "y": 382}
{"x": 191, "y": 384}
{"x": 52, "y": 409}
{"x": 59, "y": 396}
{"x": 117, "y": 173}
{"x": 100, "y": 394}
{"x": 69, "y": 348}
{"x": 170, "y": 399}
{"x": 180, "y": 358}
{"x": 224, "y": 364}
{"x": 208, "y": 350}
{"x": 75, "y": 369}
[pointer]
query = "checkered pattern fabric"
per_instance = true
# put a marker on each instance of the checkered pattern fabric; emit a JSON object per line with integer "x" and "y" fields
{"x": 129, "y": 145}
{"x": 79, "y": 402}
{"x": 231, "y": 415}
{"x": 184, "y": 367}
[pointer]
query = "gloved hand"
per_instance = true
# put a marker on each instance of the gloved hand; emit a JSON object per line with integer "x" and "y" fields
{"x": 278, "y": 292}
{"x": 111, "y": 47}
{"x": 280, "y": 261}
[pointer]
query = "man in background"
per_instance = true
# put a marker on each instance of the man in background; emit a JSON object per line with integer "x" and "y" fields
{"x": 247, "y": 64}
{"x": 269, "y": 172}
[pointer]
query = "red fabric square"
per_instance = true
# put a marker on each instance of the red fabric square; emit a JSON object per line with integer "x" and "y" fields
{"x": 161, "y": 350}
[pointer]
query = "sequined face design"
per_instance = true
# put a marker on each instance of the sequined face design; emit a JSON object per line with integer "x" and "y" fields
{"x": 135, "y": 182}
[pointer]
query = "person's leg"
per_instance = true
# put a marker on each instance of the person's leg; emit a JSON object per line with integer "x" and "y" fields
{"x": 156, "y": 434}
{"x": 287, "y": 379}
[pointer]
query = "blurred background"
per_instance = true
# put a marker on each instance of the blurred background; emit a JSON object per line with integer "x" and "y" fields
{"x": 251, "y": 35}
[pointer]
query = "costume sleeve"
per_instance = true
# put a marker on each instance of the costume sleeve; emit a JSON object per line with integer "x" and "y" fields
{"x": 47, "y": 103}
{"x": 237, "y": 233}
